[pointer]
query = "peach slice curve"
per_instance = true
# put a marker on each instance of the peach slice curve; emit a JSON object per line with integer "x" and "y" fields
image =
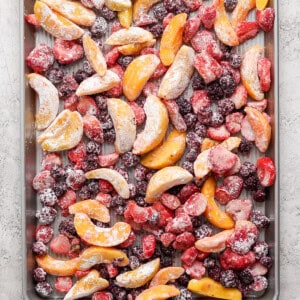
{"x": 159, "y": 292}
{"x": 118, "y": 5}
{"x": 163, "y": 276}
{"x": 241, "y": 11}
{"x": 125, "y": 17}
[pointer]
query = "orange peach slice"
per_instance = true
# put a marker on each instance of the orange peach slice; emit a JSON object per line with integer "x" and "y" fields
{"x": 48, "y": 100}
{"x": 171, "y": 39}
{"x": 141, "y": 7}
{"x": 131, "y": 35}
{"x": 118, "y": 5}
{"x": 178, "y": 75}
{"x": 223, "y": 28}
{"x": 164, "y": 179}
{"x": 208, "y": 287}
{"x": 97, "y": 236}
{"x": 74, "y": 11}
{"x": 93, "y": 208}
{"x": 208, "y": 143}
{"x": 231, "y": 143}
{"x": 137, "y": 74}
{"x": 215, "y": 243}
{"x": 213, "y": 213}
{"x": 94, "y": 55}
{"x": 159, "y": 292}
{"x": 115, "y": 178}
{"x": 125, "y": 17}
{"x": 55, "y": 24}
{"x": 241, "y": 11}
{"x": 249, "y": 72}
{"x": 261, "y": 4}
{"x": 98, "y": 84}
{"x": 86, "y": 286}
{"x": 261, "y": 127}
{"x": 134, "y": 49}
{"x": 166, "y": 154}
{"x": 139, "y": 276}
{"x": 202, "y": 165}
{"x": 163, "y": 276}
{"x": 124, "y": 123}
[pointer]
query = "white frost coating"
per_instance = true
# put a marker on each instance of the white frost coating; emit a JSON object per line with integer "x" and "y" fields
{"x": 202, "y": 166}
{"x": 179, "y": 74}
{"x": 118, "y": 5}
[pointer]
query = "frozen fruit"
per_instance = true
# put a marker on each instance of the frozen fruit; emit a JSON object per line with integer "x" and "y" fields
{"x": 189, "y": 256}
{"x": 259, "y": 105}
{"x": 190, "y": 28}
{"x": 239, "y": 209}
{"x": 112, "y": 56}
{"x": 247, "y": 30}
{"x": 164, "y": 275}
{"x": 170, "y": 201}
{"x": 125, "y": 17}
{"x": 196, "y": 270}
{"x": 266, "y": 171}
{"x": 148, "y": 246}
{"x": 230, "y": 5}
{"x": 207, "y": 14}
{"x": 44, "y": 289}
{"x": 241, "y": 11}
{"x": 264, "y": 74}
{"x": 247, "y": 130}
{"x": 195, "y": 205}
{"x": 159, "y": 292}
{"x": 60, "y": 244}
{"x": 265, "y": 18}
{"x": 87, "y": 105}
{"x": 260, "y": 284}
{"x": 44, "y": 233}
{"x": 180, "y": 224}
{"x": 39, "y": 248}
{"x": 63, "y": 284}
{"x": 233, "y": 122}
{"x": 184, "y": 240}
{"x": 193, "y": 5}
{"x": 202, "y": 165}
{"x": 67, "y": 52}
{"x": 32, "y": 20}
{"x": 39, "y": 274}
{"x": 234, "y": 261}
{"x": 175, "y": 116}
{"x": 118, "y": 5}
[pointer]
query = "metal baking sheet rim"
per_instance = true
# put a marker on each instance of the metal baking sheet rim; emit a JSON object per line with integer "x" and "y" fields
{"x": 28, "y": 291}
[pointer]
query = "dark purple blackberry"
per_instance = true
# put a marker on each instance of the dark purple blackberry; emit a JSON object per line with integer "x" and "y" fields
{"x": 46, "y": 215}
{"x": 48, "y": 197}
{"x": 120, "y": 210}
{"x": 108, "y": 14}
{"x": 44, "y": 289}
{"x": 39, "y": 248}
{"x": 159, "y": 11}
{"x": 157, "y": 30}
{"x": 129, "y": 159}
{"x": 184, "y": 294}
{"x": 134, "y": 262}
{"x": 118, "y": 200}
{"x": 118, "y": 293}
{"x": 132, "y": 190}
{"x": 235, "y": 60}
{"x": 87, "y": 68}
{"x": 135, "y": 292}
{"x": 123, "y": 172}
{"x": 228, "y": 278}
{"x": 173, "y": 6}
{"x": 80, "y": 75}
{"x": 217, "y": 119}
{"x": 166, "y": 261}
{"x": 246, "y": 277}
{"x": 154, "y": 218}
{"x": 204, "y": 115}
{"x": 67, "y": 228}
{"x": 184, "y": 105}
{"x": 226, "y": 51}
{"x": 93, "y": 148}
{"x": 193, "y": 140}
{"x": 227, "y": 84}
{"x": 209, "y": 262}
{"x": 188, "y": 166}
{"x": 124, "y": 61}
{"x": 266, "y": 261}
{"x": 58, "y": 173}
{"x": 60, "y": 189}
{"x": 141, "y": 187}
{"x": 140, "y": 172}
{"x": 75, "y": 179}
{"x": 225, "y": 107}
{"x": 251, "y": 183}
{"x": 175, "y": 189}
{"x": 198, "y": 82}
{"x": 90, "y": 162}
{"x": 214, "y": 273}
{"x": 168, "y": 251}
{"x": 67, "y": 87}
{"x": 190, "y": 120}
{"x": 140, "y": 101}
{"x": 149, "y": 175}
{"x": 260, "y": 195}
{"x": 109, "y": 136}
{"x": 196, "y": 221}
{"x": 184, "y": 279}
{"x": 244, "y": 289}
{"x": 215, "y": 91}
{"x": 103, "y": 271}
{"x": 137, "y": 251}
{"x": 93, "y": 187}
{"x": 140, "y": 200}
{"x": 245, "y": 146}
{"x": 230, "y": 5}
{"x": 84, "y": 193}
{"x": 106, "y": 121}
{"x": 259, "y": 219}
{"x": 69, "y": 169}
{"x": 200, "y": 130}
{"x": 203, "y": 231}
{"x": 260, "y": 249}
{"x": 247, "y": 169}
{"x": 191, "y": 155}
{"x": 55, "y": 75}
{"x": 99, "y": 27}
{"x": 39, "y": 274}
{"x": 101, "y": 102}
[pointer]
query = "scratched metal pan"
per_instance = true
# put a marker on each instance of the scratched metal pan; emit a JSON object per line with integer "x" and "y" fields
{"x": 31, "y": 153}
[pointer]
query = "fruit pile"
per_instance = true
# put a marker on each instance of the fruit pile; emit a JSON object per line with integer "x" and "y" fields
{"x": 162, "y": 84}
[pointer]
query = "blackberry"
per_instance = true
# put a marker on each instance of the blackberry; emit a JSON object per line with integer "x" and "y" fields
{"x": 230, "y": 5}
{"x": 84, "y": 193}
{"x": 259, "y": 195}
{"x": 157, "y": 30}
{"x": 39, "y": 248}
{"x": 123, "y": 172}
{"x": 226, "y": 51}
{"x": 245, "y": 146}
{"x": 209, "y": 262}
{"x": 103, "y": 271}
{"x": 200, "y": 130}
{"x": 93, "y": 148}
{"x": 106, "y": 121}
{"x": 228, "y": 278}
{"x": 120, "y": 210}
{"x": 184, "y": 105}
{"x": 246, "y": 277}
{"x": 39, "y": 274}
{"x": 175, "y": 189}
{"x": 149, "y": 175}
{"x": 184, "y": 279}
{"x": 119, "y": 293}
{"x": 67, "y": 228}
{"x": 108, "y": 14}
{"x": 134, "y": 262}
{"x": 129, "y": 159}
{"x": 118, "y": 200}
{"x": 55, "y": 75}
{"x": 191, "y": 155}
{"x": 251, "y": 183}
{"x": 159, "y": 11}
{"x": 203, "y": 231}
{"x": 87, "y": 68}
{"x": 260, "y": 249}
{"x": 198, "y": 82}
{"x": 204, "y": 115}
{"x": 137, "y": 251}
{"x": 67, "y": 87}
{"x": 44, "y": 289}
{"x": 124, "y": 61}
{"x": 101, "y": 224}
{"x": 48, "y": 197}
{"x": 225, "y": 107}
{"x": 93, "y": 187}
{"x": 215, "y": 91}
{"x": 141, "y": 187}
{"x": 140, "y": 172}
{"x": 193, "y": 140}
{"x": 58, "y": 173}
{"x": 166, "y": 261}
{"x": 80, "y": 75}
{"x": 101, "y": 102}
{"x": 259, "y": 219}
{"x": 173, "y": 6}
{"x": 188, "y": 166}
{"x": 227, "y": 84}
{"x": 266, "y": 261}
{"x": 168, "y": 251}
{"x": 184, "y": 294}
{"x": 109, "y": 136}
{"x": 196, "y": 221}
{"x": 132, "y": 190}
{"x": 60, "y": 189}
{"x": 46, "y": 215}
{"x": 90, "y": 162}
{"x": 99, "y": 27}
{"x": 217, "y": 119}
{"x": 190, "y": 120}
{"x": 247, "y": 169}
{"x": 235, "y": 60}
{"x": 214, "y": 273}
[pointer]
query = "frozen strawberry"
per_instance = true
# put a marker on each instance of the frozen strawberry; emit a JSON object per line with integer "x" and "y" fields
{"x": 60, "y": 244}
{"x": 117, "y": 90}
{"x": 193, "y": 5}
{"x": 150, "y": 50}
{"x": 68, "y": 86}
{"x": 189, "y": 256}
{"x": 32, "y": 20}
{"x": 179, "y": 211}
{"x": 108, "y": 160}
{"x": 139, "y": 214}
{"x": 234, "y": 185}
{"x": 112, "y": 56}
{"x": 175, "y": 116}
{"x": 184, "y": 240}
{"x": 196, "y": 270}
{"x": 153, "y": 229}
{"x": 195, "y": 205}
{"x": 87, "y": 105}
{"x": 50, "y": 160}
{"x": 265, "y": 18}
{"x": 179, "y": 224}
{"x": 67, "y": 52}
{"x": 148, "y": 246}
{"x": 264, "y": 73}
{"x": 260, "y": 284}
{"x": 159, "y": 71}
{"x": 167, "y": 19}
{"x": 222, "y": 195}
{"x": 63, "y": 284}
{"x": 233, "y": 122}
{"x": 204, "y": 41}
{"x": 71, "y": 102}
{"x": 44, "y": 233}
{"x": 198, "y": 100}
{"x": 105, "y": 186}
{"x": 77, "y": 153}
{"x": 43, "y": 180}
{"x": 202, "y": 255}
{"x": 80, "y": 274}
{"x": 103, "y": 198}
{"x": 116, "y": 26}
{"x": 239, "y": 209}
{"x": 139, "y": 113}
{"x": 247, "y": 30}
{"x": 234, "y": 261}
{"x": 165, "y": 214}
{"x": 246, "y": 130}
{"x": 187, "y": 191}
{"x": 92, "y": 128}
{"x": 207, "y": 14}
{"x": 170, "y": 201}
{"x": 218, "y": 133}
{"x": 145, "y": 20}
{"x": 259, "y": 105}
{"x": 150, "y": 88}
{"x": 41, "y": 58}
{"x": 75, "y": 179}
{"x": 190, "y": 28}
{"x": 239, "y": 97}
{"x": 112, "y": 270}
{"x": 102, "y": 296}
{"x": 266, "y": 171}
{"x": 67, "y": 199}
{"x": 258, "y": 269}
{"x": 131, "y": 239}
{"x": 167, "y": 238}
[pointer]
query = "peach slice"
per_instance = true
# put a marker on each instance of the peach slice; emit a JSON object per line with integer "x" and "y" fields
{"x": 178, "y": 75}
{"x": 93, "y": 208}
{"x": 213, "y": 213}
{"x": 261, "y": 127}
{"x": 124, "y": 122}
{"x": 134, "y": 49}
{"x": 249, "y": 72}
{"x": 86, "y": 286}
{"x": 159, "y": 292}
{"x": 163, "y": 276}
{"x": 208, "y": 287}
{"x": 208, "y": 143}
{"x": 118, "y": 5}
{"x": 215, "y": 243}
{"x": 97, "y": 236}
{"x": 74, "y": 11}
{"x": 164, "y": 179}
{"x": 55, "y": 24}
{"x": 223, "y": 28}
{"x": 241, "y": 11}
{"x": 125, "y": 17}
{"x": 98, "y": 84}
{"x": 115, "y": 178}
{"x": 137, "y": 74}
{"x": 131, "y": 35}
{"x": 141, "y": 7}
{"x": 171, "y": 39}
{"x": 261, "y": 4}
{"x": 94, "y": 55}
{"x": 48, "y": 100}
{"x": 231, "y": 143}
{"x": 139, "y": 276}
{"x": 202, "y": 165}
{"x": 166, "y": 154}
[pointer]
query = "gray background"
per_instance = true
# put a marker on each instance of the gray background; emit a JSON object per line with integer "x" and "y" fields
{"x": 10, "y": 202}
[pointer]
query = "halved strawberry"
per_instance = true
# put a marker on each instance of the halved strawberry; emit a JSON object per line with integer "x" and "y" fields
{"x": 247, "y": 30}
{"x": 264, "y": 73}
{"x": 190, "y": 28}
{"x": 67, "y": 52}
{"x": 77, "y": 153}
{"x": 117, "y": 90}
{"x": 108, "y": 160}
{"x": 265, "y": 18}
{"x": 71, "y": 102}
{"x": 207, "y": 14}
{"x": 130, "y": 241}
{"x": 148, "y": 245}
{"x": 102, "y": 296}
{"x": 165, "y": 214}
{"x": 184, "y": 240}
{"x": 198, "y": 100}
{"x": 239, "y": 97}
{"x": 112, "y": 56}
{"x": 92, "y": 128}
{"x": 179, "y": 224}
{"x": 60, "y": 244}
{"x": 189, "y": 256}
{"x": 167, "y": 238}
{"x": 170, "y": 201}
{"x": 239, "y": 209}
{"x": 234, "y": 261}
{"x": 233, "y": 122}
{"x": 196, "y": 270}
{"x": 63, "y": 284}
{"x": 50, "y": 160}
{"x": 195, "y": 205}
{"x": 218, "y": 133}
{"x": 258, "y": 269}
{"x": 87, "y": 105}
{"x": 139, "y": 113}
{"x": 67, "y": 199}
{"x": 266, "y": 171}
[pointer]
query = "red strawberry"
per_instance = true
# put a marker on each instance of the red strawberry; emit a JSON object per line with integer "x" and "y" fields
{"x": 239, "y": 97}
{"x": 260, "y": 284}
{"x": 105, "y": 186}
{"x": 246, "y": 130}
{"x": 264, "y": 73}
{"x": 207, "y": 14}
{"x": 116, "y": 26}
{"x": 195, "y": 205}
{"x": 198, "y": 100}
{"x": 116, "y": 91}
{"x": 80, "y": 274}
{"x": 41, "y": 58}
{"x": 167, "y": 238}
{"x": 50, "y": 160}
{"x": 179, "y": 224}
{"x": 159, "y": 71}
{"x": 202, "y": 255}
{"x": 67, "y": 52}
{"x": 67, "y": 199}
{"x": 193, "y": 5}
{"x": 102, "y": 296}
{"x": 112, "y": 270}
{"x": 60, "y": 244}
{"x": 222, "y": 195}
{"x": 179, "y": 211}
{"x": 167, "y": 19}
{"x": 247, "y": 30}
{"x": 71, "y": 102}
{"x": 153, "y": 229}
{"x": 190, "y": 28}
{"x": 187, "y": 191}
{"x": 265, "y": 18}
{"x": 150, "y": 88}
{"x": 184, "y": 240}
{"x": 218, "y": 133}
{"x": 42, "y": 181}
{"x": 44, "y": 233}
{"x": 170, "y": 201}
{"x": 239, "y": 209}
{"x": 92, "y": 128}
{"x": 31, "y": 19}
{"x": 165, "y": 214}
{"x": 108, "y": 160}
{"x": 129, "y": 242}
{"x": 259, "y": 105}
{"x": 234, "y": 261}
{"x": 175, "y": 116}
{"x": 150, "y": 50}
{"x": 139, "y": 113}
{"x": 103, "y": 198}
{"x": 148, "y": 245}
{"x": 87, "y": 105}
{"x": 258, "y": 269}
{"x": 63, "y": 284}
{"x": 77, "y": 153}
{"x": 139, "y": 214}
{"x": 189, "y": 256}
{"x": 234, "y": 185}
{"x": 266, "y": 171}
{"x": 196, "y": 270}
{"x": 233, "y": 122}
{"x": 112, "y": 56}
